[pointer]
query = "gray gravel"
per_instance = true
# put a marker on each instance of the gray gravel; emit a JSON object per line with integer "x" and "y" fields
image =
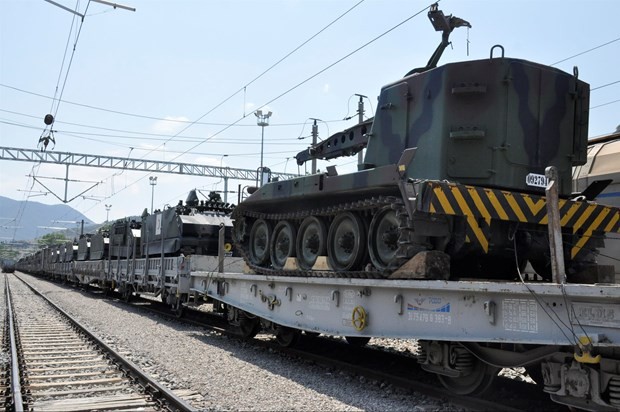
{"x": 228, "y": 373}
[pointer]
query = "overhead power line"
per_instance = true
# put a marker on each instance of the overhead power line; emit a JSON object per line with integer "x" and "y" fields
{"x": 605, "y": 85}
{"x": 286, "y": 92}
{"x": 265, "y": 72}
{"x": 586, "y": 51}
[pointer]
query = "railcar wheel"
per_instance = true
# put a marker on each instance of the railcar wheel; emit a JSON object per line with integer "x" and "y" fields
{"x": 248, "y": 327}
{"x": 346, "y": 242}
{"x": 476, "y": 382}
{"x": 282, "y": 244}
{"x": 383, "y": 237}
{"x": 260, "y": 238}
{"x": 126, "y": 293}
{"x": 536, "y": 374}
{"x": 287, "y": 337}
{"x": 357, "y": 341}
{"x": 311, "y": 241}
{"x": 179, "y": 310}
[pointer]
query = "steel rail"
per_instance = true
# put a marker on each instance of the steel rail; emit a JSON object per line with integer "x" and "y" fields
{"x": 154, "y": 388}
{"x": 16, "y": 388}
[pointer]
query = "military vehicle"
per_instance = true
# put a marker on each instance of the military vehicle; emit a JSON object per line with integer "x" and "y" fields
{"x": 125, "y": 237}
{"x": 452, "y": 184}
{"x": 191, "y": 228}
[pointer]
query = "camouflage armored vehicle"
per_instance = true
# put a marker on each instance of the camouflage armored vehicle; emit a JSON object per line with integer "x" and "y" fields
{"x": 452, "y": 183}
{"x": 190, "y": 229}
{"x": 125, "y": 238}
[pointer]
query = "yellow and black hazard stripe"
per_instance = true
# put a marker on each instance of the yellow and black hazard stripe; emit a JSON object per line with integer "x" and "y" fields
{"x": 479, "y": 206}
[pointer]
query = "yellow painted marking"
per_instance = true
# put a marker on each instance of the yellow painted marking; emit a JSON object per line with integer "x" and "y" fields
{"x": 481, "y": 207}
{"x": 586, "y": 236}
{"x": 567, "y": 216}
{"x": 471, "y": 220}
{"x": 515, "y": 207}
{"x": 432, "y": 209}
{"x": 498, "y": 207}
{"x": 447, "y": 207}
{"x": 584, "y": 216}
{"x": 563, "y": 219}
{"x": 612, "y": 222}
{"x": 534, "y": 207}
{"x": 467, "y": 239}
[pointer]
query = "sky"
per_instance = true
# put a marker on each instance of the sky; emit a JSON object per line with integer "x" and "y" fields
{"x": 180, "y": 81}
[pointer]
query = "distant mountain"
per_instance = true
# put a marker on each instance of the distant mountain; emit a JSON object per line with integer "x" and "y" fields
{"x": 27, "y": 220}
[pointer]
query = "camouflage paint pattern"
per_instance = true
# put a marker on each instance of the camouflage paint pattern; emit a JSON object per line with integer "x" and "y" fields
{"x": 172, "y": 232}
{"x": 487, "y": 122}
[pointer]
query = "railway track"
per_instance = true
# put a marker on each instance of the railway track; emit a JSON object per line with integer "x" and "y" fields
{"x": 62, "y": 366}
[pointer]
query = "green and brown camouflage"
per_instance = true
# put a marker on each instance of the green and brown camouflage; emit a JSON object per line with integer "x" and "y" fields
{"x": 455, "y": 163}
{"x": 497, "y": 122}
{"x": 488, "y": 122}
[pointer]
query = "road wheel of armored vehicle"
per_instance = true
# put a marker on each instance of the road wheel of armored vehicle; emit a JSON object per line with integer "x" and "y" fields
{"x": 287, "y": 337}
{"x": 346, "y": 242}
{"x": 383, "y": 237}
{"x": 260, "y": 239}
{"x": 282, "y": 243}
{"x": 311, "y": 241}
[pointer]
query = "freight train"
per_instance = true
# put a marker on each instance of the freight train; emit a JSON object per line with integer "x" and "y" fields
{"x": 427, "y": 239}
{"x": 131, "y": 253}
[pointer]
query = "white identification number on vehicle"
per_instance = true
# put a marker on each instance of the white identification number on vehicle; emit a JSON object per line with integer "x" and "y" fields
{"x": 537, "y": 180}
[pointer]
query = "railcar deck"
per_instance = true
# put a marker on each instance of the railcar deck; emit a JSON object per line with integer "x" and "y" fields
{"x": 477, "y": 311}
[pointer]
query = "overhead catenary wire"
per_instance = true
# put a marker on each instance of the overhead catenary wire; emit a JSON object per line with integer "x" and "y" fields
{"x": 284, "y": 93}
{"x": 299, "y": 84}
{"x": 64, "y": 83}
{"x": 201, "y": 123}
{"x": 165, "y": 119}
{"x": 25, "y": 202}
{"x": 140, "y": 135}
{"x": 586, "y": 51}
{"x": 244, "y": 88}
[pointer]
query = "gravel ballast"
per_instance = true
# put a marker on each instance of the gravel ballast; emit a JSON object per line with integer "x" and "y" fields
{"x": 229, "y": 374}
